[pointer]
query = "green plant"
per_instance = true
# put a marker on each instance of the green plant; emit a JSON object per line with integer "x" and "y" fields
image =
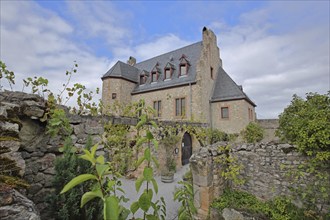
{"x": 253, "y": 133}
{"x": 280, "y": 208}
{"x": 105, "y": 184}
{"x": 306, "y": 123}
{"x": 9, "y": 75}
{"x": 185, "y": 195}
{"x": 67, "y": 206}
{"x": 118, "y": 145}
{"x": 145, "y": 201}
{"x": 231, "y": 168}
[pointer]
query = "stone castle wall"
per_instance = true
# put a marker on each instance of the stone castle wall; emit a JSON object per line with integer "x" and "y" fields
{"x": 22, "y": 131}
{"x": 262, "y": 169}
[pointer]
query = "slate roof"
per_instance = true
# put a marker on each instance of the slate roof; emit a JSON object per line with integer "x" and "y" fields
{"x": 132, "y": 73}
{"x": 123, "y": 70}
{"x": 226, "y": 89}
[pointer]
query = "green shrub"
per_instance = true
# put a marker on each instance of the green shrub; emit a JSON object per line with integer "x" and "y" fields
{"x": 253, "y": 133}
{"x": 280, "y": 208}
{"x": 67, "y": 206}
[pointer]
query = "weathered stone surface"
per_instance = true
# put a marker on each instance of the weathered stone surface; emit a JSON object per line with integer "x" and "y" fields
{"x": 14, "y": 206}
{"x": 231, "y": 214}
{"x": 17, "y": 157}
{"x": 13, "y": 146}
{"x": 93, "y": 127}
{"x": 47, "y": 161}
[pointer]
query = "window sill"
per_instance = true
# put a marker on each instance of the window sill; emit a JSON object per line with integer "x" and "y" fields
{"x": 182, "y": 76}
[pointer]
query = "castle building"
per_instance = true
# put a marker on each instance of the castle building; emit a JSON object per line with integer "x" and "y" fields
{"x": 185, "y": 84}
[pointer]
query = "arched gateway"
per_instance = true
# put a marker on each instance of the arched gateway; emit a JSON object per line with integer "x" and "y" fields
{"x": 186, "y": 148}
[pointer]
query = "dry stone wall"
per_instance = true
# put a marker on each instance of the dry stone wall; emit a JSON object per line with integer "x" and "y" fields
{"x": 265, "y": 166}
{"x": 24, "y": 134}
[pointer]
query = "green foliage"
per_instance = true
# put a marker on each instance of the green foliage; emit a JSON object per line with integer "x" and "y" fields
{"x": 185, "y": 195}
{"x": 280, "y": 208}
{"x": 38, "y": 84}
{"x": 306, "y": 123}
{"x": 253, "y": 133}
{"x": 231, "y": 168}
{"x": 58, "y": 124}
{"x": 67, "y": 206}
{"x": 103, "y": 185}
{"x": 118, "y": 145}
{"x": 8, "y": 75}
{"x": 207, "y": 136}
{"x": 145, "y": 201}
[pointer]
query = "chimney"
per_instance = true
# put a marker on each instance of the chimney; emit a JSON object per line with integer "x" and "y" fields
{"x": 131, "y": 61}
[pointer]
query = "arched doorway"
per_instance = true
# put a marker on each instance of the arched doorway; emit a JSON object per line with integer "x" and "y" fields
{"x": 186, "y": 148}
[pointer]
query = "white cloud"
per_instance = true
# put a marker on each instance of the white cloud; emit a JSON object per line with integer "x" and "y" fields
{"x": 272, "y": 66}
{"x": 101, "y": 20}
{"x": 37, "y": 43}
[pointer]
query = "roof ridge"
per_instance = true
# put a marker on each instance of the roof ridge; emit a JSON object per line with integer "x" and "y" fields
{"x": 155, "y": 57}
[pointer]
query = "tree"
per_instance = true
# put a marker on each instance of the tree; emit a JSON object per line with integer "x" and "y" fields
{"x": 253, "y": 133}
{"x": 306, "y": 124}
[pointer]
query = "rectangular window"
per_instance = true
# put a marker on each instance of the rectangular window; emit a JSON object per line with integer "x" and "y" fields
{"x": 183, "y": 70}
{"x": 224, "y": 112}
{"x": 250, "y": 114}
{"x": 114, "y": 95}
{"x": 167, "y": 73}
{"x": 142, "y": 80}
{"x": 158, "y": 108}
{"x": 180, "y": 107}
{"x": 154, "y": 77}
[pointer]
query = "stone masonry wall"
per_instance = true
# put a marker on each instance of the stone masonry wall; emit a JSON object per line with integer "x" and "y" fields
{"x": 23, "y": 132}
{"x": 262, "y": 171}
{"x": 238, "y": 115}
{"x": 34, "y": 151}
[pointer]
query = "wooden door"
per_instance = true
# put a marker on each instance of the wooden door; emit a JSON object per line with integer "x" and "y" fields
{"x": 186, "y": 148}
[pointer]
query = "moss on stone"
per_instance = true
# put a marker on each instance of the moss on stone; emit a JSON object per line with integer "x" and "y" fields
{"x": 8, "y": 138}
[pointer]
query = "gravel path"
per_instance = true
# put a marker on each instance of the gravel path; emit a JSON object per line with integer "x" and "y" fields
{"x": 165, "y": 190}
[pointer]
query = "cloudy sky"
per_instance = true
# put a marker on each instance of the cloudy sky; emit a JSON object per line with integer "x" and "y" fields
{"x": 274, "y": 49}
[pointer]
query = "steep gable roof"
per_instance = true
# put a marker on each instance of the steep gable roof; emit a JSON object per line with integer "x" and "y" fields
{"x": 123, "y": 70}
{"x": 192, "y": 53}
{"x": 226, "y": 89}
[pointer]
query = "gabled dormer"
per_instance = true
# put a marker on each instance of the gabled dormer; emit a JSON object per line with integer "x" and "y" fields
{"x": 143, "y": 77}
{"x": 155, "y": 73}
{"x": 184, "y": 65}
{"x": 168, "y": 71}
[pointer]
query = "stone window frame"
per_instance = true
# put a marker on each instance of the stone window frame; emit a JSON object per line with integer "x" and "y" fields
{"x": 143, "y": 76}
{"x": 184, "y": 62}
{"x": 182, "y": 110}
{"x": 157, "y": 106}
{"x": 222, "y": 116}
{"x": 152, "y": 76}
{"x": 250, "y": 114}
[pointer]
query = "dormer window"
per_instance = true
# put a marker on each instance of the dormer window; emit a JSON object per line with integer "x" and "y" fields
{"x": 154, "y": 77}
{"x": 168, "y": 71}
{"x": 183, "y": 69}
{"x": 155, "y": 73}
{"x": 143, "y": 79}
{"x": 184, "y": 65}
